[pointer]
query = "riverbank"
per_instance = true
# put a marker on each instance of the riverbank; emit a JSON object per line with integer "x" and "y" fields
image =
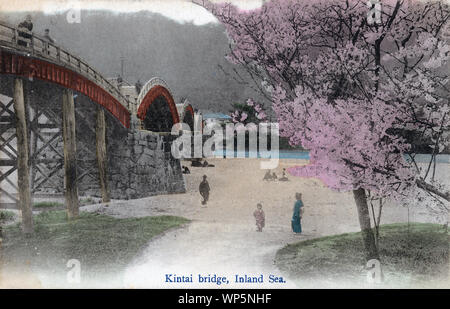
{"x": 222, "y": 238}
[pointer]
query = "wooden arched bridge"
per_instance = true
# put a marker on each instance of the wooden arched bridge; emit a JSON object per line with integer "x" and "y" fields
{"x": 66, "y": 128}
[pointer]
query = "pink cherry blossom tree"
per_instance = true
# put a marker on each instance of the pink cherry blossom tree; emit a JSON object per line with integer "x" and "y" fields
{"x": 354, "y": 90}
{"x": 250, "y": 112}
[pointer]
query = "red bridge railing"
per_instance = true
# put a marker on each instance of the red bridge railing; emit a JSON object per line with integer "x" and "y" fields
{"x": 40, "y": 48}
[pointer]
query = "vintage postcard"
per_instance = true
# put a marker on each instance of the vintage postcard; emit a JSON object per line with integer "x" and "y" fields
{"x": 235, "y": 144}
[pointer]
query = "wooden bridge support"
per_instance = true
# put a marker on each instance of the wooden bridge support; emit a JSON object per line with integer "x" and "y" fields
{"x": 23, "y": 172}
{"x": 101, "y": 154}
{"x": 47, "y": 160}
{"x": 70, "y": 159}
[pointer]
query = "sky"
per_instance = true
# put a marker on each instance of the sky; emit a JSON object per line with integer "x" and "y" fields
{"x": 179, "y": 10}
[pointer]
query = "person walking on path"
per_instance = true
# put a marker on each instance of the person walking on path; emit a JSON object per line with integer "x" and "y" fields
{"x": 297, "y": 215}
{"x": 260, "y": 217}
{"x": 204, "y": 190}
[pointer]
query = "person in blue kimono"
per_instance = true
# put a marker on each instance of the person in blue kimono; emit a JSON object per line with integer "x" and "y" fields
{"x": 297, "y": 215}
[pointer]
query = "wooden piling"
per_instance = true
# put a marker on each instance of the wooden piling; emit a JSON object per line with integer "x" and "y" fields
{"x": 70, "y": 158}
{"x": 101, "y": 154}
{"x": 23, "y": 172}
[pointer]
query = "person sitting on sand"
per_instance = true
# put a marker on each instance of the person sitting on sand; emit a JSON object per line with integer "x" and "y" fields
{"x": 186, "y": 170}
{"x": 274, "y": 176}
{"x": 284, "y": 178}
{"x": 204, "y": 190}
{"x": 260, "y": 217}
{"x": 206, "y": 164}
{"x": 267, "y": 176}
{"x": 196, "y": 163}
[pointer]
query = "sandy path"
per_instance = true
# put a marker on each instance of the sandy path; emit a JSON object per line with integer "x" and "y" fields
{"x": 222, "y": 239}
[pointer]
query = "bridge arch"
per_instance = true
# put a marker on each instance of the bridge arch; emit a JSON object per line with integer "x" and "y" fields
{"x": 186, "y": 113}
{"x": 156, "y": 107}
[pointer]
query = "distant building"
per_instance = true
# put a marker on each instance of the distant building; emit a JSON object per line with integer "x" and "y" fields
{"x": 129, "y": 92}
{"x": 212, "y": 119}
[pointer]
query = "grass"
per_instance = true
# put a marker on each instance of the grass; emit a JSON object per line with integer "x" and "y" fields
{"x": 53, "y": 204}
{"x": 101, "y": 243}
{"x": 6, "y": 216}
{"x": 47, "y": 204}
{"x": 87, "y": 201}
{"x": 411, "y": 256}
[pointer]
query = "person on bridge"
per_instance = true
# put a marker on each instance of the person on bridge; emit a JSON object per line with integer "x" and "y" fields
{"x": 26, "y": 26}
{"x": 138, "y": 86}
{"x": 119, "y": 80}
{"x": 204, "y": 190}
{"x": 48, "y": 37}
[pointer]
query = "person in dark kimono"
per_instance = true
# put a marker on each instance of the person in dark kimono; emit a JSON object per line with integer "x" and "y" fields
{"x": 138, "y": 86}
{"x": 26, "y": 26}
{"x": 204, "y": 190}
{"x": 119, "y": 80}
{"x": 297, "y": 215}
{"x": 260, "y": 217}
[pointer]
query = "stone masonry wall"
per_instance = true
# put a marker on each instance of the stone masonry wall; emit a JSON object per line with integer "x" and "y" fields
{"x": 143, "y": 167}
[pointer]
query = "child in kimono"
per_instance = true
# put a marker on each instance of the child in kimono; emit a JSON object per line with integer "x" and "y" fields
{"x": 260, "y": 217}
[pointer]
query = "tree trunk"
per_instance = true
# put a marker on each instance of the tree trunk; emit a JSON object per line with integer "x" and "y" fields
{"x": 101, "y": 154}
{"x": 70, "y": 157}
{"x": 364, "y": 222}
{"x": 23, "y": 172}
